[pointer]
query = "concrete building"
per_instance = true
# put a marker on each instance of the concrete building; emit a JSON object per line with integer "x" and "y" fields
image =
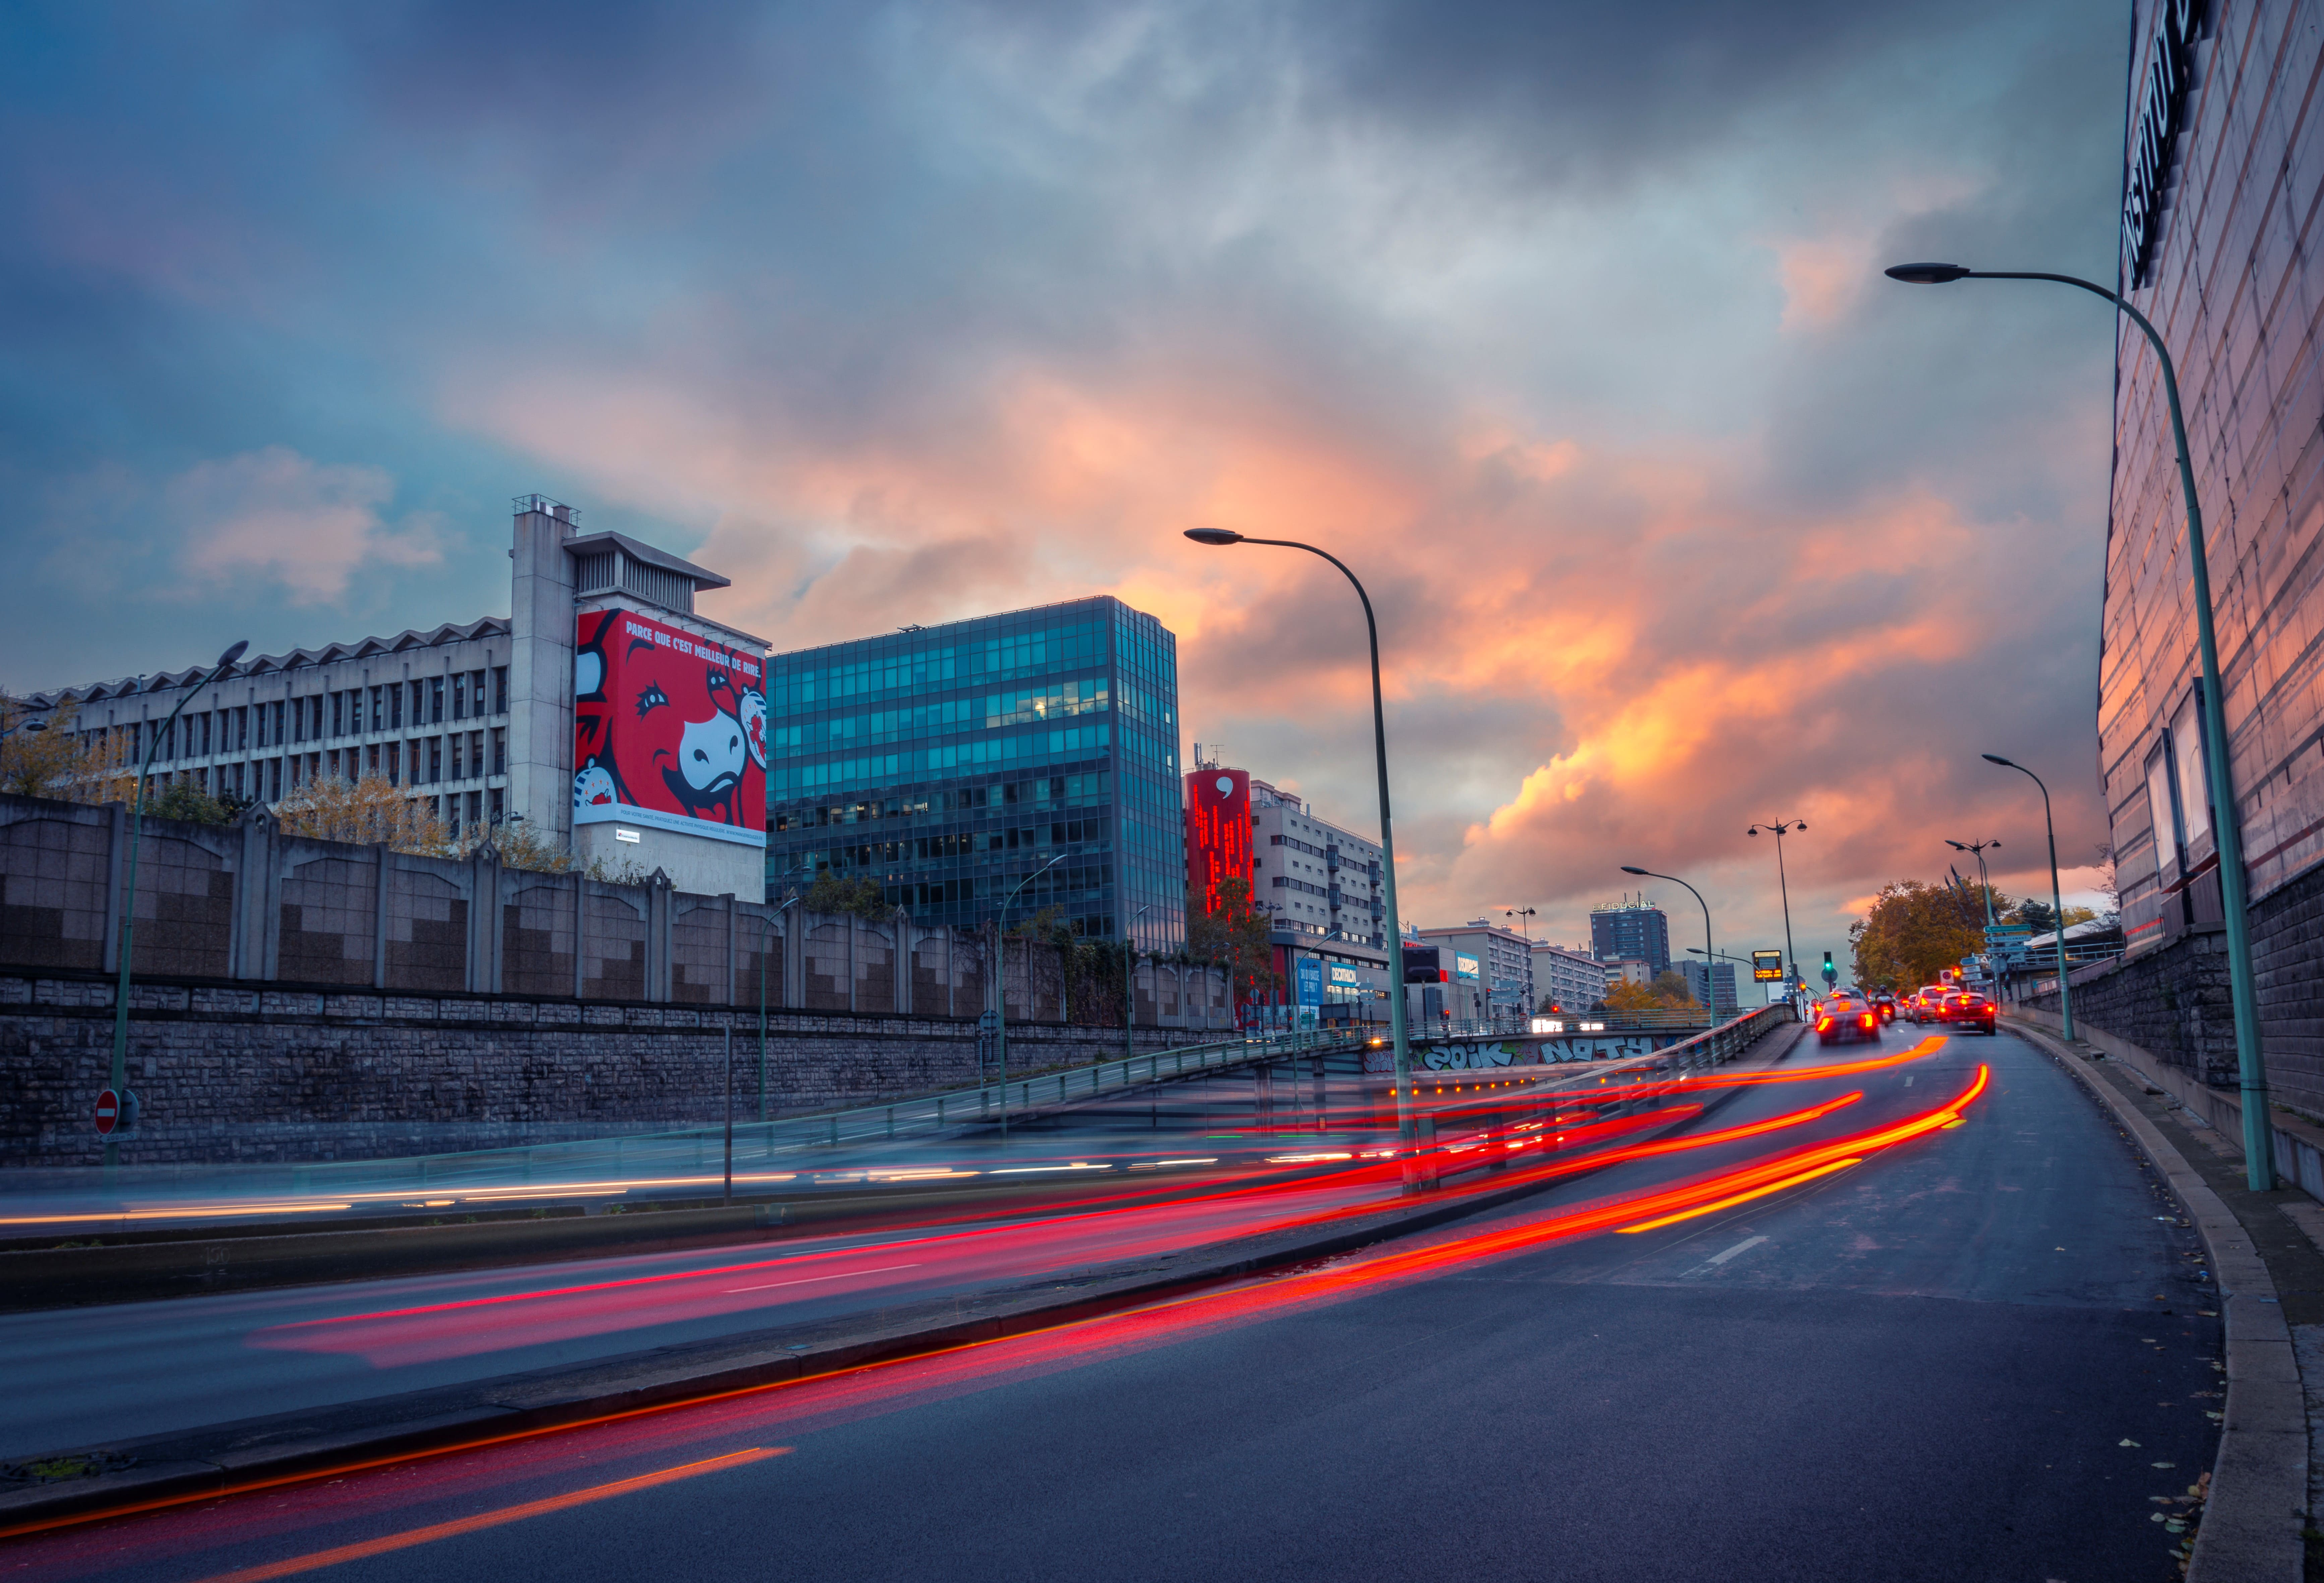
{"x": 949, "y": 764}
{"x": 2220, "y": 171}
{"x": 1503, "y": 958}
{"x": 1632, "y": 926}
{"x": 1721, "y": 983}
{"x": 1319, "y": 880}
{"x": 478, "y": 720}
{"x": 1568, "y": 975}
{"x": 1321, "y": 886}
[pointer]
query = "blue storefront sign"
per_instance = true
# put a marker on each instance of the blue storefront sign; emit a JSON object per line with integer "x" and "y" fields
{"x": 1308, "y": 975}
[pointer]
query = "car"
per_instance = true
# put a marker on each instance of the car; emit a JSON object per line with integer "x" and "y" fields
{"x": 1967, "y": 1010}
{"x": 1845, "y": 1016}
{"x": 1925, "y": 1001}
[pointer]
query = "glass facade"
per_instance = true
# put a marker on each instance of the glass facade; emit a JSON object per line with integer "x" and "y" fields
{"x": 2225, "y": 268}
{"x": 948, "y": 762}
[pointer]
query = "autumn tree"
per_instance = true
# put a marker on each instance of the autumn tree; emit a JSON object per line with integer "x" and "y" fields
{"x": 861, "y": 897}
{"x": 42, "y": 755}
{"x": 1915, "y": 931}
{"x": 1234, "y": 933}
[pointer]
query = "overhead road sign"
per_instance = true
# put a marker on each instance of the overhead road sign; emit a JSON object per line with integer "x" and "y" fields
{"x": 1766, "y": 966}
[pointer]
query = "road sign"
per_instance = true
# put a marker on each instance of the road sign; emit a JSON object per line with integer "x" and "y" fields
{"x": 108, "y": 1113}
{"x": 1766, "y": 966}
{"x": 988, "y": 1040}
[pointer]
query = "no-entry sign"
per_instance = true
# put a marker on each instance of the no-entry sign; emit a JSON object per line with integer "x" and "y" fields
{"x": 108, "y": 1113}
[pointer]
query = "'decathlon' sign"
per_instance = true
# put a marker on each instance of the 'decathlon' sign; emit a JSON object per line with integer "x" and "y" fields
{"x": 2162, "y": 115}
{"x": 669, "y": 730}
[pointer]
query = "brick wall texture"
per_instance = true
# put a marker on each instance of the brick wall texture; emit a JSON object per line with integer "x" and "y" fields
{"x": 2173, "y": 1000}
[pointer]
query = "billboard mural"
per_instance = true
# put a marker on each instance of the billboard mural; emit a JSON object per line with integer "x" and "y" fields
{"x": 1218, "y": 833}
{"x": 669, "y": 730}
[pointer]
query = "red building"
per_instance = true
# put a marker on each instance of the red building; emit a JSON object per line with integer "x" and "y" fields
{"x": 1218, "y": 834}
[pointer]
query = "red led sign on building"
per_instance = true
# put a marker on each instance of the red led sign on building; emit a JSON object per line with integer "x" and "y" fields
{"x": 1218, "y": 834}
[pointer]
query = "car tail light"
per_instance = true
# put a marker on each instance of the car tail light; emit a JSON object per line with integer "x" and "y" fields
{"x": 1823, "y": 1024}
{"x": 1868, "y": 1019}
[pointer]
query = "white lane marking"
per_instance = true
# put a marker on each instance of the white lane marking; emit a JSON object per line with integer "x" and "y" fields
{"x": 1744, "y": 1246}
{"x": 1908, "y": 1082}
{"x": 809, "y": 1280}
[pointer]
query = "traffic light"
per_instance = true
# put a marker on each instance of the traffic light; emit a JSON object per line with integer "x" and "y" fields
{"x": 1830, "y": 973}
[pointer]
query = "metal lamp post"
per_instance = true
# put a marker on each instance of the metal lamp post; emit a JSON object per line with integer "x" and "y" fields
{"x": 1779, "y": 828}
{"x": 1399, "y": 1019}
{"x": 1978, "y": 850}
{"x": 2235, "y": 899}
{"x": 2057, "y": 900}
{"x": 120, "y": 1079}
{"x": 1000, "y": 986}
{"x": 1130, "y": 982}
{"x": 766, "y": 952}
{"x": 1709, "y": 978}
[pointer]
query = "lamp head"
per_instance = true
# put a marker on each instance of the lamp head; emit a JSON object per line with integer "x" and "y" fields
{"x": 1927, "y": 274}
{"x": 1956, "y": 846}
{"x": 1628, "y": 869}
{"x": 234, "y": 653}
{"x": 1994, "y": 758}
{"x": 1752, "y": 831}
{"x": 1220, "y": 537}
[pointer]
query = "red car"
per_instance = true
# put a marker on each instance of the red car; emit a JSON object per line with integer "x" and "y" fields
{"x": 1966, "y": 1010}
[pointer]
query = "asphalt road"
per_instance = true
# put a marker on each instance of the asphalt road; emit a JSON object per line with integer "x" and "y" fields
{"x": 1979, "y": 1354}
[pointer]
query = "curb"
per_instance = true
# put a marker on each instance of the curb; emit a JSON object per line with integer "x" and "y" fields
{"x": 221, "y": 1458}
{"x": 2258, "y": 1496}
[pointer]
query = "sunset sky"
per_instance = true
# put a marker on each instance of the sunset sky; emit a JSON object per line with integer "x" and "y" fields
{"x": 1562, "y": 323}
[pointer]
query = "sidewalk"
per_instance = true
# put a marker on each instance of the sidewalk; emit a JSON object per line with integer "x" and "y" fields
{"x": 162, "y": 1469}
{"x": 2267, "y": 1251}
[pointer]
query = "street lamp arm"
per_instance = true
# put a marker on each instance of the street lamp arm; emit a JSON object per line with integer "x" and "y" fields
{"x": 2057, "y": 899}
{"x": 1710, "y": 985}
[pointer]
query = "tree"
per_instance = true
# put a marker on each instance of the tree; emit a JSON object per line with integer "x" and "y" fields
{"x": 183, "y": 798}
{"x": 1915, "y": 931}
{"x": 368, "y": 813}
{"x": 1670, "y": 988}
{"x": 860, "y": 896}
{"x": 1234, "y": 934}
{"x": 2036, "y": 915}
{"x": 57, "y": 761}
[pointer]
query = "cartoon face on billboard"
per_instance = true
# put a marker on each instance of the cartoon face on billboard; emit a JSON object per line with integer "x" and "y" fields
{"x": 668, "y": 730}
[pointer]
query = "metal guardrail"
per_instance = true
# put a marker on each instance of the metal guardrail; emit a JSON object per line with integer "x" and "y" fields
{"x": 645, "y": 1155}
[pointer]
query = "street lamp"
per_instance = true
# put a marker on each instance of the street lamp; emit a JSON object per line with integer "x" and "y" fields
{"x": 2057, "y": 901}
{"x": 1000, "y": 986}
{"x": 2251, "y": 1056}
{"x": 766, "y": 952}
{"x": 1408, "y": 1131}
{"x": 1778, "y": 828}
{"x": 1709, "y": 981}
{"x": 1130, "y": 982}
{"x": 1978, "y": 850}
{"x": 119, "y": 1080}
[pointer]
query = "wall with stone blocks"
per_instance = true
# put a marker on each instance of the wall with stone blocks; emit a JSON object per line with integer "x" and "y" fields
{"x": 2173, "y": 1000}
{"x": 297, "y": 999}
{"x": 232, "y": 1074}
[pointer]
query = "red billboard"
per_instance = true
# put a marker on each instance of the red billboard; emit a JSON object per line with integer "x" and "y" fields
{"x": 1218, "y": 834}
{"x": 669, "y": 729}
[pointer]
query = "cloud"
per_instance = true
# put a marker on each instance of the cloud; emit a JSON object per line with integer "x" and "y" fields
{"x": 305, "y": 526}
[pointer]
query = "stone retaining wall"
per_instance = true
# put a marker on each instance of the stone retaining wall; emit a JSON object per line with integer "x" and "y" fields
{"x": 228, "y": 1073}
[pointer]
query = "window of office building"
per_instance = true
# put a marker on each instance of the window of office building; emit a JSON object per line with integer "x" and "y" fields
{"x": 950, "y": 764}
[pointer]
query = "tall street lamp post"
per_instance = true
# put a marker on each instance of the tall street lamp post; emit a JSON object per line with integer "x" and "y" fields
{"x": 2235, "y": 899}
{"x": 2057, "y": 901}
{"x": 120, "y": 1079}
{"x": 1408, "y": 1131}
{"x": 1779, "y": 828}
{"x": 1000, "y": 986}
{"x": 1710, "y": 976}
{"x": 1130, "y": 982}
{"x": 1978, "y": 850}
{"x": 766, "y": 955}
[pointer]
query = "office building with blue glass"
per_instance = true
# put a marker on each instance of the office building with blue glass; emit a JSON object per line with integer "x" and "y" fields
{"x": 946, "y": 763}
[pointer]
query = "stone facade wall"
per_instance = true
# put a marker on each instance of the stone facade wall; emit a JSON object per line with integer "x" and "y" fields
{"x": 297, "y": 999}
{"x": 232, "y": 1074}
{"x": 2173, "y": 1000}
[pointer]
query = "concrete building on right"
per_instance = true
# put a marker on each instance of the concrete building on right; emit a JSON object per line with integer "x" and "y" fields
{"x": 2222, "y": 168}
{"x": 1569, "y": 976}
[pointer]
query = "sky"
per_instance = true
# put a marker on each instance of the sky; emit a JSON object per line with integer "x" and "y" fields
{"x": 1562, "y": 324}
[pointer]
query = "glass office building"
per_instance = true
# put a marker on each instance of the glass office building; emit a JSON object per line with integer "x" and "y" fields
{"x": 948, "y": 762}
